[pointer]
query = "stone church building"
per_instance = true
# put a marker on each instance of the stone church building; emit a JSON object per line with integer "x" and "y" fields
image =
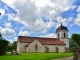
{"x": 42, "y": 44}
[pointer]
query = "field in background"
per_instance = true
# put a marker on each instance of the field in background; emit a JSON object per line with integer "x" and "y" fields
{"x": 35, "y": 56}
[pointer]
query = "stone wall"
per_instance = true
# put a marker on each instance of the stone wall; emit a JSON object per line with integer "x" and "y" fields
{"x": 56, "y": 48}
{"x": 33, "y": 48}
{"x": 61, "y": 48}
{"x": 51, "y": 48}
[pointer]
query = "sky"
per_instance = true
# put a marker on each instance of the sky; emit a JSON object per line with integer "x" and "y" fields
{"x": 39, "y": 18}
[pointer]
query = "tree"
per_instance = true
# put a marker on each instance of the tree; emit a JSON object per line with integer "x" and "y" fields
{"x": 12, "y": 46}
{"x": 76, "y": 38}
{"x": 9, "y": 49}
{"x": 3, "y": 45}
{"x": 72, "y": 44}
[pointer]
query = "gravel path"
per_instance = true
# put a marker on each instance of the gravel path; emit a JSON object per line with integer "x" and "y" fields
{"x": 67, "y": 58}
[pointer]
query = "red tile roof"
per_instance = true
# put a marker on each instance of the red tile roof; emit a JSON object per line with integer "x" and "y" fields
{"x": 42, "y": 40}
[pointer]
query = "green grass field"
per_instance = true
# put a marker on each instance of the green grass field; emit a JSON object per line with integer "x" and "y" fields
{"x": 35, "y": 56}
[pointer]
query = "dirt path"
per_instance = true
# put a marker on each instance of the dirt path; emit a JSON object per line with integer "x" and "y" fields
{"x": 67, "y": 58}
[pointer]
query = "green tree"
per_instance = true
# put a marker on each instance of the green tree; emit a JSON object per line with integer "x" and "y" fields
{"x": 72, "y": 44}
{"x": 1, "y": 38}
{"x": 12, "y": 46}
{"x": 3, "y": 45}
{"x": 76, "y": 38}
{"x": 9, "y": 49}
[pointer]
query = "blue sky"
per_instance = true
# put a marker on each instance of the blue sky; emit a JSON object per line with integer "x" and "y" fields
{"x": 38, "y": 18}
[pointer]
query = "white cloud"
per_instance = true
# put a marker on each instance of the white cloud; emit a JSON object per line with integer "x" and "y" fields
{"x": 77, "y": 20}
{"x": 24, "y": 33}
{"x": 7, "y": 32}
{"x": 8, "y": 24}
{"x": 38, "y": 26}
{"x": 55, "y": 7}
{"x": 60, "y": 19}
{"x": 0, "y": 27}
{"x": 78, "y": 9}
{"x": 12, "y": 40}
{"x": 9, "y": 2}
{"x": 2, "y": 11}
{"x": 29, "y": 13}
{"x": 41, "y": 3}
{"x": 70, "y": 19}
{"x": 49, "y": 35}
{"x": 73, "y": 7}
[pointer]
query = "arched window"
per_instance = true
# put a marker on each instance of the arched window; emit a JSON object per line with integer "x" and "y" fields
{"x": 64, "y": 35}
{"x": 58, "y": 35}
{"x": 36, "y": 47}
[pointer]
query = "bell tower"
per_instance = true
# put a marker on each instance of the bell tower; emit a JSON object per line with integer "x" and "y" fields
{"x": 62, "y": 34}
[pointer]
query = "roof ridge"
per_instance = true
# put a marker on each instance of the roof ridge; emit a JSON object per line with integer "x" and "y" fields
{"x": 38, "y": 37}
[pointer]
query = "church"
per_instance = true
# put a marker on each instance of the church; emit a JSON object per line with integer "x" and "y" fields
{"x": 43, "y": 44}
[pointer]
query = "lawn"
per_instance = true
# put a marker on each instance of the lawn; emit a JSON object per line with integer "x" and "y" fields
{"x": 35, "y": 56}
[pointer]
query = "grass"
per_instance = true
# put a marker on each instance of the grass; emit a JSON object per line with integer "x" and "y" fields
{"x": 35, "y": 56}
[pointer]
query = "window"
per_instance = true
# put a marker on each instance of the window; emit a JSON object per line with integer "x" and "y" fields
{"x": 58, "y": 35}
{"x": 57, "y": 50}
{"x": 47, "y": 49}
{"x": 36, "y": 47}
{"x": 64, "y": 35}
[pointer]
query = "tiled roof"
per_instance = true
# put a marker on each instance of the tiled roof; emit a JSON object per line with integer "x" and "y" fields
{"x": 42, "y": 40}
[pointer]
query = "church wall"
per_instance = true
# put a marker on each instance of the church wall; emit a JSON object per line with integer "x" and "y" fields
{"x": 18, "y": 43}
{"x": 32, "y": 46}
{"x": 22, "y": 47}
{"x": 41, "y": 48}
{"x": 66, "y": 41}
{"x": 61, "y": 48}
{"x": 52, "y": 48}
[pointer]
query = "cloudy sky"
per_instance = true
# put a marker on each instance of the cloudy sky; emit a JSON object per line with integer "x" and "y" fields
{"x": 38, "y": 17}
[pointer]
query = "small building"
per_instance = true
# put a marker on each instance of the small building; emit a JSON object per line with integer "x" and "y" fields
{"x": 42, "y": 44}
